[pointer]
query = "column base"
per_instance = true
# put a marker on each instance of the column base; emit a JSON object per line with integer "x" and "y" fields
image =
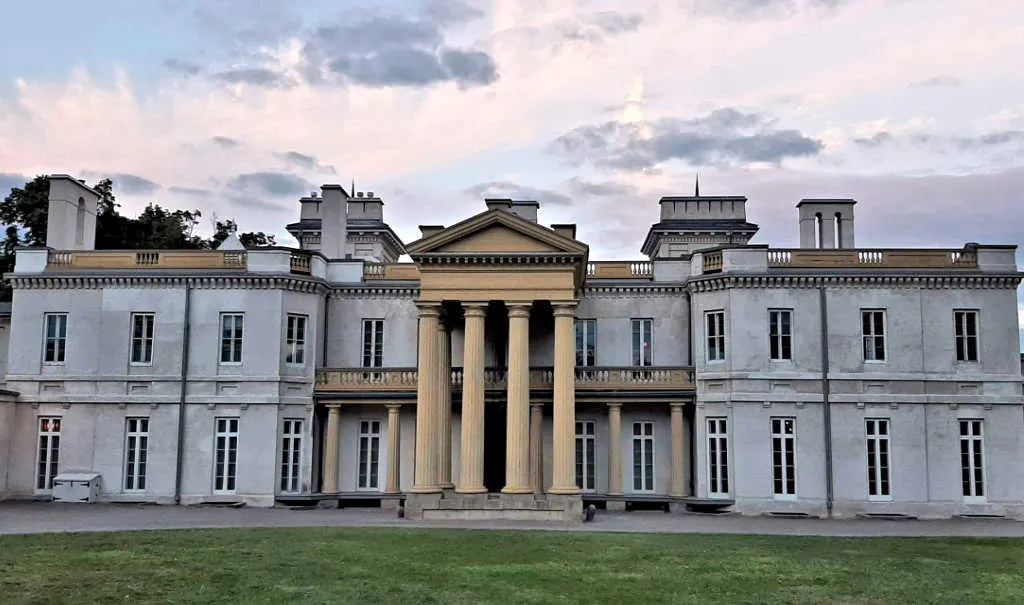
{"x": 471, "y": 490}
{"x": 425, "y": 489}
{"x": 517, "y": 490}
{"x": 564, "y": 491}
{"x": 448, "y": 485}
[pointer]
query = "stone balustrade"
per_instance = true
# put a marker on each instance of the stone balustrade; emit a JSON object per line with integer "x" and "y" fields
{"x": 873, "y": 258}
{"x": 145, "y": 259}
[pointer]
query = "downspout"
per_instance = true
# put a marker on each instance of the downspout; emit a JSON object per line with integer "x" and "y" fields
{"x": 825, "y": 399}
{"x": 180, "y": 463}
{"x": 693, "y": 417}
{"x": 323, "y": 338}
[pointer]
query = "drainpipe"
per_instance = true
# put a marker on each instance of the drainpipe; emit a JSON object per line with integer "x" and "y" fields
{"x": 825, "y": 398}
{"x": 180, "y": 464}
{"x": 323, "y": 338}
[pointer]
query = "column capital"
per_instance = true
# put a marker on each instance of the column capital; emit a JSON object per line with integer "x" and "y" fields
{"x": 333, "y": 406}
{"x": 615, "y": 405}
{"x": 534, "y": 404}
{"x": 564, "y": 308}
{"x": 427, "y": 309}
{"x": 676, "y": 404}
{"x": 518, "y": 309}
{"x": 474, "y": 307}
{"x": 393, "y": 407}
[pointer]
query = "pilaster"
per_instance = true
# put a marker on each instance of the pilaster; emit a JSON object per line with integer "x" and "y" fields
{"x": 330, "y": 484}
{"x": 537, "y": 447}
{"x": 393, "y": 484}
{"x": 615, "y": 449}
{"x": 677, "y": 487}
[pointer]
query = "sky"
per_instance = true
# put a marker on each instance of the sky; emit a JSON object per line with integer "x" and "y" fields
{"x": 595, "y": 108}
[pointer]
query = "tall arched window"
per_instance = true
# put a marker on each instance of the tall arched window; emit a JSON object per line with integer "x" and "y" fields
{"x": 839, "y": 229}
{"x": 80, "y": 222}
{"x": 818, "y": 234}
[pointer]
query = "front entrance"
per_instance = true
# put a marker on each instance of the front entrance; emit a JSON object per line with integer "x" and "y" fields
{"x": 495, "y": 425}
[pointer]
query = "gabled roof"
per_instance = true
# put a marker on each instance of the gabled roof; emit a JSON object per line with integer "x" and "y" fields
{"x": 497, "y": 231}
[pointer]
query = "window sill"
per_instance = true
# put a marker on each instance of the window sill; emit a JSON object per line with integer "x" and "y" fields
{"x": 54, "y": 363}
{"x": 140, "y": 364}
{"x": 880, "y": 499}
{"x": 230, "y": 364}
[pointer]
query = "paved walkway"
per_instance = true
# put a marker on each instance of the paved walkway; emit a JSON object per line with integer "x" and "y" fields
{"x": 39, "y": 517}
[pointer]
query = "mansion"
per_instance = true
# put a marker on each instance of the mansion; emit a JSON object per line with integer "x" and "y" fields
{"x": 501, "y": 373}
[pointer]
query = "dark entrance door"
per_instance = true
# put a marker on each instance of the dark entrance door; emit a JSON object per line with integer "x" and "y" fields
{"x": 495, "y": 420}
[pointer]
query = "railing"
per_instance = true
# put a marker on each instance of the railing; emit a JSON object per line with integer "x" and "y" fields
{"x": 587, "y": 378}
{"x": 301, "y": 263}
{"x": 712, "y": 262}
{"x": 401, "y": 271}
{"x": 885, "y": 259}
{"x": 147, "y": 259}
{"x": 620, "y": 270}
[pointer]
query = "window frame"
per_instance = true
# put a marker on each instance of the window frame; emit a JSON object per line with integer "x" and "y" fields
{"x": 290, "y": 459}
{"x": 377, "y": 338}
{"x": 721, "y": 478}
{"x": 584, "y": 460}
{"x": 884, "y": 336}
{"x": 967, "y": 338}
{"x": 368, "y": 478}
{"x": 584, "y": 327}
{"x": 648, "y": 457}
{"x": 240, "y": 349}
{"x": 881, "y": 475}
{"x": 788, "y": 475}
{"x": 639, "y": 359}
{"x": 294, "y": 346}
{"x": 977, "y": 449}
{"x": 721, "y": 336}
{"x": 777, "y": 340}
{"x": 136, "y": 315}
{"x": 52, "y": 463}
{"x": 60, "y": 340}
{"x": 230, "y": 469}
{"x": 131, "y": 466}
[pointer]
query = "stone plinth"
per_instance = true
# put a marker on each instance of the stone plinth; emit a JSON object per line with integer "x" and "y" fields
{"x": 453, "y": 506}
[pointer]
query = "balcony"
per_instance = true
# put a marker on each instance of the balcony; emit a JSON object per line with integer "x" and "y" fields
{"x": 364, "y": 380}
{"x": 145, "y": 259}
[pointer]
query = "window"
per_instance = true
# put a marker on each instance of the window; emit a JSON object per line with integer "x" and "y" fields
{"x": 784, "y": 457}
{"x": 48, "y": 454}
{"x": 718, "y": 457}
{"x": 369, "y": 454}
{"x": 585, "y": 456}
{"x": 226, "y": 455}
{"x": 373, "y": 343}
{"x": 586, "y": 331}
{"x": 291, "y": 455}
{"x": 56, "y": 337}
{"x": 966, "y": 330}
{"x": 878, "y": 459}
{"x": 136, "y": 443}
{"x": 142, "y": 338}
{"x": 295, "y": 340}
{"x": 873, "y": 327}
{"x": 714, "y": 326}
{"x": 643, "y": 456}
{"x": 972, "y": 460}
{"x": 780, "y": 334}
{"x": 231, "y": 337}
{"x": 643, "y": 345}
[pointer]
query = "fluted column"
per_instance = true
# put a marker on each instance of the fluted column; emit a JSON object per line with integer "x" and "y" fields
{"x": 676, "y": 487}
{"x": 393, "y": 484}
{"x": 471, "y": 462}
{"x": 615, "y": 449}
{"x": 537, "y": 447}
{"x": 444, "y": 408}
{"x": 517, "y": 439}
{"x": 425, "y": 478}
{"x": 563, "y": 480}
{"x": 331, "y": 449}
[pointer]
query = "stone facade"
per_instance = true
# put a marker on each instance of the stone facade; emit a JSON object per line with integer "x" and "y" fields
{"x": 824, "y": 380}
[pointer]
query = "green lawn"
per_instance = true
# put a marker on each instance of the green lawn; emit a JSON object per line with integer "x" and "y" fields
{"x": 463, "y": 566}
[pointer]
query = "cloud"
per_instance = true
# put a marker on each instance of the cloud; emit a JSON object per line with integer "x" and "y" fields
{"x": 9, "y": 181}
{"x": 190, "y": 191}
{"x": 256, "y": 76}
{"x": 876, "y": 140}
{"x": 269, "y": 183}
{"x": 446, "y": 12}
{"x": 582, "y": 188}
{"x": 256, "y": 203}
{"x": 182, "y": 66}
{"x": 225, "y": 142}
{"x": 938, "y": 81}
{"x": 595, "y": 27}
{"x": 942, "y": 143}
{"x": 515, "y": 191}
{"x": 725, "y": 137}
{"x": 746, "y": 10}
{"x": 128, "y": 184}
{"x": 306, "y": 162}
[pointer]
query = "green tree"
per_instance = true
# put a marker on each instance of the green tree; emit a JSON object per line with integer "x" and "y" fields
{"x": 26, "y": 208}
{"x": 252, "y": 239}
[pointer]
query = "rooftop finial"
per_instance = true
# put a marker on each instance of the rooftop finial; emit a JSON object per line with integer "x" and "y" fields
{"x": 696, "y": 185}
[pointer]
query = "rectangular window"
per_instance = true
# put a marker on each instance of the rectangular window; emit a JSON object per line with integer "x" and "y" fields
{"x": 369, "y": 454}
{"x": 291, "y": 455}
{"x": 873, "y": 330}
{"x": 48, "y": 460}
{"x": 136, "y": 445}
{"x": 586, "y": 332}
{"x": 780, "y": 334}
{"x": 877, "y": 430}
{"x": 55, "y": 345}
{"x": 142, "y": 338}
{"x": 643, "y": 342}
{"x": 231, "y": 337}
{"x": 972, "y": 460}
{"x": 966, "y": 333}
{"x": 295, "y": 340}
{"x": 585, "y": 472}
{"x": 643, "y": 456}
{"x": 373, "y": 343}
{"x": 784, "y": 457}
{"x": 718, "y": 457}
{"x": 225, "y": 455}
{"x": 714, "y": 327}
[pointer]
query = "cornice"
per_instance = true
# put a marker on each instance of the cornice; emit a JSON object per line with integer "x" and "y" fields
{"x": 994, "y": 281}
{"x": 642, "y": 289}
{"x": 407, "y": 290}
{"x": 477, "y": 258}
{"x": 65, "y": 281}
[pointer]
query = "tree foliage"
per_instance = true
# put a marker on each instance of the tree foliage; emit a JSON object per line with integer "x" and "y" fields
{"x": 23, "y": 216}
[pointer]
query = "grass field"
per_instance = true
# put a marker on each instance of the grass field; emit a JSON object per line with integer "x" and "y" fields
{"x": 463, "y": 566}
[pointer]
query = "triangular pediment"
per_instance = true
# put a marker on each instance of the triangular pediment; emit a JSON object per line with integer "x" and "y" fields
{"x": 496, "y": 232}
